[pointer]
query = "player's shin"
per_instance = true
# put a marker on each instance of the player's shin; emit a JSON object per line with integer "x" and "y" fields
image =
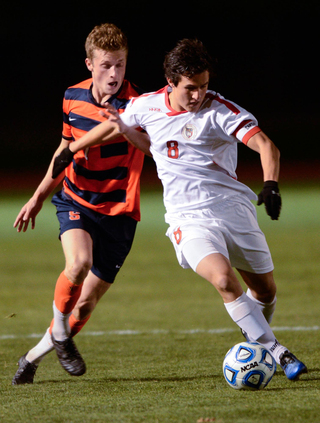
{"x": 65, "y": 297}
{"x": 76, "y": 325}
{"x": 44, "y": 347}
{"x": 247, "y": 315}
{"x": 267, "y": 309}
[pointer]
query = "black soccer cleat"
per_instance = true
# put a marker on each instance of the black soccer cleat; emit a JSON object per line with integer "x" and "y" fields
{"x": 25, "y": 372}
{"x": 291, "y": 366}
{"x": 69, "y": 356}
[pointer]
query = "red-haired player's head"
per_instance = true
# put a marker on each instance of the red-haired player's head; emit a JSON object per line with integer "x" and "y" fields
{"x": 107, "y": 50}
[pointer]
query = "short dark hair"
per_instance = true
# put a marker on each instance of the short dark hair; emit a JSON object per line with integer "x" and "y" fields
{"x": 187, "y": 58}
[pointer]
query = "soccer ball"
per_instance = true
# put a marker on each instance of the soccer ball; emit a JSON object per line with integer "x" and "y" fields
{"x": 248, "y": 365}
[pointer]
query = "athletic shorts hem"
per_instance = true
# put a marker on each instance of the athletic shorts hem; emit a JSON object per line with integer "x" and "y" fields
{"x": 106, "y": 277}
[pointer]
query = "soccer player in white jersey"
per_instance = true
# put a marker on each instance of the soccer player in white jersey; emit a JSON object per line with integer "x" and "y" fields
{"x": 212, "y": 223}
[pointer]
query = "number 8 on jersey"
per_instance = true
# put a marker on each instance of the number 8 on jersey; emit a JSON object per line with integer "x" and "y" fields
{"x": 173, "y": 150}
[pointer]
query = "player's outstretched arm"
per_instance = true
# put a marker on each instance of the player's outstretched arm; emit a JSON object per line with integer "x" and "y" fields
{"x": 105, "y": 131}
{"x": 108, "y": 130}
{"x": 270, "y": 162}
{"x": 31, "y": 209}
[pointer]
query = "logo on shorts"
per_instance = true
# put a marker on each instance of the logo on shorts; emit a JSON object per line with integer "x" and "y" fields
{"x": 189, "y": 132}
{"x": 178, "y": 235}
{"x": 74, "y": 215}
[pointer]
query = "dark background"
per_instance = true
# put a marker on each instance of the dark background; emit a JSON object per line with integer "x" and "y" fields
{"x": 266, "y": 53}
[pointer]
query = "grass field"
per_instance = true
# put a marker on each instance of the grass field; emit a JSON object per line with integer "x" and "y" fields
{"x": 155, "y": 344}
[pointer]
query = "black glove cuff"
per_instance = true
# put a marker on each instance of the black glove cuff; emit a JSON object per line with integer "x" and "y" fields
{"x": 271, "y": 184}
{"x": 69, "y": 153}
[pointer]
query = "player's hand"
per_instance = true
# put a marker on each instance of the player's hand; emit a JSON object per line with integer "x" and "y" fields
{"x": 271, "y": 198}
{"x": 28, "y": 213}
{"x": 61, "y": 161}
{"x": 113, "y": 115}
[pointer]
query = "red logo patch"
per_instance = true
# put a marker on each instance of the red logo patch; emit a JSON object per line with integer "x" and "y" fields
{"x": 178, "y": 235}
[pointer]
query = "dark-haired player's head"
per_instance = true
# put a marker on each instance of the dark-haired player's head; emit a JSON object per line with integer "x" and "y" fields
{"x": 187, "y": 58}
{"x": 187, "y": 69}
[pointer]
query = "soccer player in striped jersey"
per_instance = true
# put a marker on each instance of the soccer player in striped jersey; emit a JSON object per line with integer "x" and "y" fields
{"x": 98, "y": 207}
{"x": 212, "y": 223}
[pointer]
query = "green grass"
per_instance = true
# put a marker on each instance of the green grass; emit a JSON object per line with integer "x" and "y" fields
{"x": 153, "y": 346}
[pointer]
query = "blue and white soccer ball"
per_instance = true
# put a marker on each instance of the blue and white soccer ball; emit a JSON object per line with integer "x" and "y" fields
{"x": 248, "y": 365}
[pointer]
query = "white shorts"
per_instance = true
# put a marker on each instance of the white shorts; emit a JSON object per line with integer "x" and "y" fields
{"x": 229, "y": 228}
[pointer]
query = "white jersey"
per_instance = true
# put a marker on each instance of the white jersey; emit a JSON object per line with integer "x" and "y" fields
{"x": 195, "y": 153}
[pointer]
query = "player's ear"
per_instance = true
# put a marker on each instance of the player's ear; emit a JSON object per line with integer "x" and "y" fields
{"x": 89, "y": 64}
{"x": 170, "y": 82}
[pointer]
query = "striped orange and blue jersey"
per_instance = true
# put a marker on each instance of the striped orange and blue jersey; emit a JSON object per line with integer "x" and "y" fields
{"x": 106, "y": 178}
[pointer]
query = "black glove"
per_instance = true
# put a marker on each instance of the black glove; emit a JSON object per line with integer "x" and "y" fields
{"x": 61, "y": 162}
{"x": 270, "y": 196}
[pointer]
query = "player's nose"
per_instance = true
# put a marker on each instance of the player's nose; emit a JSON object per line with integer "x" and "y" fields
{"x": 113, "y": 72}
{"x": 196, "y": 94}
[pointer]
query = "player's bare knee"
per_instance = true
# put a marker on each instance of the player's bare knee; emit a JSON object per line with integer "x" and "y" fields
{"x": 223, "y": 283}
{"x": 77, "y": 269}
{"x": 267, "y": 297}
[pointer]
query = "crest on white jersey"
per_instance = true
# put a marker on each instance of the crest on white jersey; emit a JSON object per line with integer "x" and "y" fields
{"x": 189, "y": 132}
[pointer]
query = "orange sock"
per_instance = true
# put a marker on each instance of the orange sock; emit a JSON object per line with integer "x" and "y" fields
{"x": 76, "y": 325}
{"x": 66, "y": 294}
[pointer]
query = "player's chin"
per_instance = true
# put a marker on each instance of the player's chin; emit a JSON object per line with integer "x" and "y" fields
{"x": 193, "y": 107}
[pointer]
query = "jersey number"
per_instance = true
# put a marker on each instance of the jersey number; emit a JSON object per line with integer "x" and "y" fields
{"x": 173, "y": 150}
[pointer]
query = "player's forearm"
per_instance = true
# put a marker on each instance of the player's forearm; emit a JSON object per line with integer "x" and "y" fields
{"x": 270, "y": 162}
{"x": 269, "y": 155}
{"x": 47, "y": 185}
{"x": 45, "y": 188}
{"x": 105, "y": 131}
{"x": 138, "y": 139}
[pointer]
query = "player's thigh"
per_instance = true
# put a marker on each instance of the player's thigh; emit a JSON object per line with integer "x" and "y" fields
{"x": 77, "y": 247}
{"x": 262, "y": 285}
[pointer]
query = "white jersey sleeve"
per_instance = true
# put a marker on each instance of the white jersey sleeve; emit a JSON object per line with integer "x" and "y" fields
{"x": 233, "y": 119}
{"x": 135, "y": 112}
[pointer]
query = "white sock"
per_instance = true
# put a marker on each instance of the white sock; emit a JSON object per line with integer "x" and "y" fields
{"x": 37, "y": 353}
{"x": 61, "y": 328}
{"x": 267, "y": 309}
{"x": 247, "y": 315}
